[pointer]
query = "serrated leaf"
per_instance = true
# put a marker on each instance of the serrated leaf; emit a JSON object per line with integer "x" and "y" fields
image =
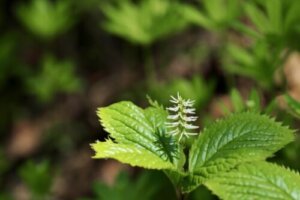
{"x": 127, "y": 124}
{"x": 260, "y": 180}
{"x": 239, "y": 138}
{"x": 129, "y": 154}
{"x": 137, "y": 136}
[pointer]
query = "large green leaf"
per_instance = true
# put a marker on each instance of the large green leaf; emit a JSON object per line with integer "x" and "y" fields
{"x": 257, "y": 181}
{"x": 139, "y": 137}
{"x": 239, "y": 138}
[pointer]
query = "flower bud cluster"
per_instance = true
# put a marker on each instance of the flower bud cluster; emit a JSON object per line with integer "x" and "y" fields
{"x": 181, "y": 117}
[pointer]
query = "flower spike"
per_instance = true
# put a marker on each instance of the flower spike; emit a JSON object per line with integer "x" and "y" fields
{"x": 179, "y": 122}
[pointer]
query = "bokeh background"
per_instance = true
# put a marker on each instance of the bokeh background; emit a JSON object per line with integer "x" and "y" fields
{"x": 62, "y": 59}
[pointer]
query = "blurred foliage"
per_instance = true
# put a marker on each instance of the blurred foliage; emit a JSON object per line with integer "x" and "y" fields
{"x": 145, "y": 22}
{"x": 274, "y": 30}
{"x": 214, "y": 15}
{"x": 201, "y": 193}
{"x": 55, "y": 76}
{"x": 148, "y": 186}
{"x": 257, "y": 63}
{"x": 38, "y": 178}
{"x": 290, "y": 155}
{"x": 253, "y": 102}
{"x": 46, "y": 18}
{"x": 196, "y": 88}
{"x": 293, "y": 105}
{"x": 276, "y": 21}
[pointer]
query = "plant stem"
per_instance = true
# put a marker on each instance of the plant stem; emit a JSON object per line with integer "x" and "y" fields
{"x": 181, "y": 196}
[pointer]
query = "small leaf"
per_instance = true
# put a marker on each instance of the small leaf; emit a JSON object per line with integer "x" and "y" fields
{"x": 239, "y": 138}
{"x": 259, "y": 180}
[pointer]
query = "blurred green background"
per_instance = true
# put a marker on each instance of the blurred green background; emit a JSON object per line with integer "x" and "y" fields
{"x": 62, "y": 59}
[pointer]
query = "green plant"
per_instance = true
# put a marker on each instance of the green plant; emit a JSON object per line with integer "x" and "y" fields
{"x": 155, "y": 139}
{"x": 147, "y": 185}
{"x": 45, "y": 18}
{"x": 272, "y": 32}
{"x": 38, "y": 178}
{"x": 145, "y": 22}
{"x": 55, "y": 76}
{"x": 214, "y": 15}
{"x": 256, "y": 62}
{"x": 293, "y": 105}
{"x": 196, "y": 88}
{"x": 253, "y": 103}
{"x": 275, "y": 21}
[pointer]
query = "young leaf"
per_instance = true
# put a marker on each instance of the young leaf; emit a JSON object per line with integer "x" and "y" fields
{"x": 257, "y": 181}
{"x": 135, "y": 156}
{"x": 239, "y": 138}
{"x": 137, "y": 136}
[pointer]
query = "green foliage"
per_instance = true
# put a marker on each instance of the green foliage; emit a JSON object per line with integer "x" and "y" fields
{"x": 197, "y": 89}
{"x": 276, "y": 21}
{"x": 273, "y": 33}
{"x": 37, "y": 177}
{"x": 136, "y": 136}
{"x": 145, "y": 22}
{"x": 201, "y": 193}
{"x": 239, "y": 138}
{"x": 214, "y": 15}
{"x": 252, "y": 103}
{"x": 147, "y": 185}
{"x": 54, "y": 77}
{"x": 45, "y": 18}
{"x": 257, "y": 181}
{"x": 256, "y": 62}
{"x": 293, "y": 105}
